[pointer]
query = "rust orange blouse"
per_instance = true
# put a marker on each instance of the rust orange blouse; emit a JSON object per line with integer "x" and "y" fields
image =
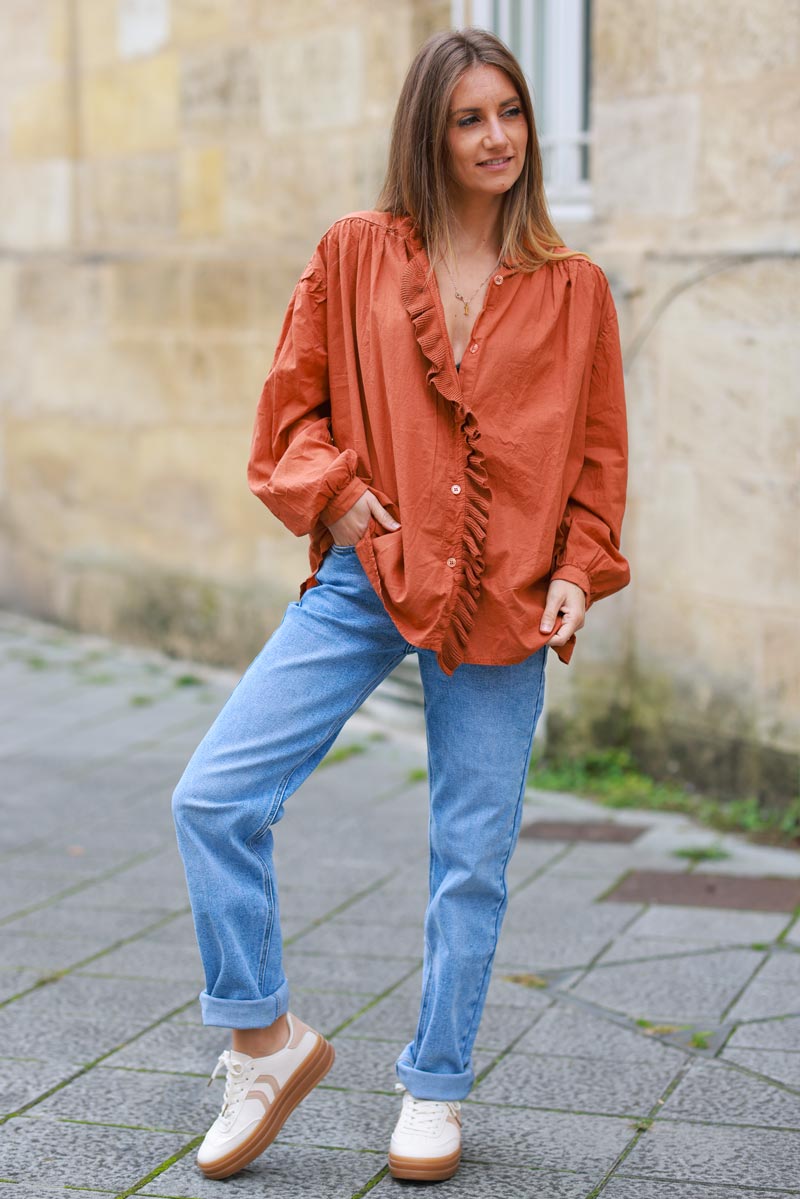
{"x": 503, "y": 474}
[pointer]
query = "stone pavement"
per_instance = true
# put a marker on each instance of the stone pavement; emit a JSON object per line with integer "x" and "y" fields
{"x": 592, "y": 1080}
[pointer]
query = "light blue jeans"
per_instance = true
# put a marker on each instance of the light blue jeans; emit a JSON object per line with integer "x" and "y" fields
{"x": 332, "y": 648}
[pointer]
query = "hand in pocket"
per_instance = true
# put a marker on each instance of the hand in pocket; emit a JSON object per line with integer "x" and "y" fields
{"x": 348, "y": 529}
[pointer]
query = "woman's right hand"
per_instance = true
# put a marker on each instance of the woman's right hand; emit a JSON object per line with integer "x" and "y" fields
{"x": 348, "y": 529}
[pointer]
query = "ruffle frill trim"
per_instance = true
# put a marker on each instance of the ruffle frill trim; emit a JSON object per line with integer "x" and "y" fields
{"x": 421, "y": 307}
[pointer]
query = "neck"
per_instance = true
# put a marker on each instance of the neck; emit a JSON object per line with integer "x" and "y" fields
{"x": 476, "y": 223}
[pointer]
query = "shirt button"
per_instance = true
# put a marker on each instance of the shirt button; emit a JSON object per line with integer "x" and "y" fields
{"x": 455, "y": 489}
{"x": 473, "y": 349}
{"x": 451, "y": 561}
{"x": 498, "y": 279}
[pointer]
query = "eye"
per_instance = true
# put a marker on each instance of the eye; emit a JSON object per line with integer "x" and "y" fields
{"x": 512, "y": 112}
{"x": 462, "y": 124}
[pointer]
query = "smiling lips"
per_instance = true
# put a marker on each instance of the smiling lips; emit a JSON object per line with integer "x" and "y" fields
{"x": 495, "y": 163}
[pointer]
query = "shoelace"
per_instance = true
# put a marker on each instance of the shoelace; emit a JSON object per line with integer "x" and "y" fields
{"x": 423, "y": 1115}
{"x": 233, "y": 1081}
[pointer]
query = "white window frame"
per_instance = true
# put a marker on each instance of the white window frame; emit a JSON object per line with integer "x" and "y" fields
{"x": 547, "y": 32}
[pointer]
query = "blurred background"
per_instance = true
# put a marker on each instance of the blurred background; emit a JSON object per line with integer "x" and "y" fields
{"x": 167, "y": 168}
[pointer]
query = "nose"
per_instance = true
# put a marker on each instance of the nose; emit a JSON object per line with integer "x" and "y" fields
{"x": 495, "y": 134}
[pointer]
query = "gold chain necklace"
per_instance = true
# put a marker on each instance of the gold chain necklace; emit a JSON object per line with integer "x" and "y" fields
{"x": 466, "y": 300}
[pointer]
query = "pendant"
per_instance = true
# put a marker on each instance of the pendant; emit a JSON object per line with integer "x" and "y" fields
{"x": 466, "y": 308}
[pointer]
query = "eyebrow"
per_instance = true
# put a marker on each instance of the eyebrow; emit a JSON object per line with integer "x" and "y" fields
{"x": 455, "y": 111}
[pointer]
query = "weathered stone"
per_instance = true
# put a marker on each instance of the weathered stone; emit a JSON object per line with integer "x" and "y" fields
{"x": 220, "y": 87}
{"x": 287, "y": 1168}
{"x": 330, "y": 61}
{"x": 148, "y": 292}
{"x": 36, "y": 201}
{"x": 559, "y": 1082}
{"x": 726, "y": 1156}
{"x": 221, "y": 295}
{"x": 711, "y": 1092}
{"x": 202, "y": 191}
{"x": 771, "y": 1063}
{"x": 48, "y": 1151}
{"x": 699, "y": 987}
{"x": 147, "y": 87}
{"x": 128, "y": 197}
{"x": 200, "y": 20}
{"x": 40, "y": 125}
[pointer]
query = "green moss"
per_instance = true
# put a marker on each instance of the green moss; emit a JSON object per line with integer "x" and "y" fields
{"x": 612, "y": 777}
{"x": 37, "y": 662}
{"x": 701, "y": 853}
{"x": 659, "y": 1030}
{"x": 342, "y": 753}
{"x": 189, "y": 680}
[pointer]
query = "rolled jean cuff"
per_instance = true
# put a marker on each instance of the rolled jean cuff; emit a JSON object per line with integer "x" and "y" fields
{"x": 245, "y": 1013}
{"x": 424, "y": 1085}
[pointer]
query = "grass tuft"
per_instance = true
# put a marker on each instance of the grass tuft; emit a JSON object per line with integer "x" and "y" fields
{"x": 611, "y": 777}
{"x": 701, "y": 853}
{"x": 342, "y": 753}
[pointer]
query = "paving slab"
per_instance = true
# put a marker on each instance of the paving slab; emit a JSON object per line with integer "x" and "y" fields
{"x": 364, "y": 976}
{"x": 776, "y": 1064}
{"x": 286, "y": 1169}
{"x": 23, "y": 1079}
{"x": 543, "y": 1140}
{"x": 694, "y": 987}
{"x": 84, "y": 1155}
{"x": 737, "y": 926}
{"x": 174, "y": 1046}
{"x": 575, "y": 1032}
{"x": 564, "y": 1072}
{"x": 731, "y": 1157}
{"x": 712, "y": 1091}
{"x": 477, "y": 1180}
{"x": 645, "y": 1188}
{"x": 106, "y": 1095}
{"x": 782, "y": 1032}
{"x": 604, "y": 1087}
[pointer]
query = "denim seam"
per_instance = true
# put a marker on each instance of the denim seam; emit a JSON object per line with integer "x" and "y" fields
{"x": 504, "y": 899}
{"x": 278, "y": 799}
{"x": 425, "y": 1001}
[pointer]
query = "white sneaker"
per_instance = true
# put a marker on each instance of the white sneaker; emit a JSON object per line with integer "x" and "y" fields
{"x": 260, "y": 1092}
{"x": 426, "y": 1142}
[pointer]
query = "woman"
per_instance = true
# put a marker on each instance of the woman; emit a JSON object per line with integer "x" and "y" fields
{"x": 451, "y": 315}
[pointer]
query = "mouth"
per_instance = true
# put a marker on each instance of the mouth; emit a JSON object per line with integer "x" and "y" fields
{"x": 495, "y": 162}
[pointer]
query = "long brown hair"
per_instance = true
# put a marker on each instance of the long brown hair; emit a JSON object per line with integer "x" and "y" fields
{"x": 416, "y": 179}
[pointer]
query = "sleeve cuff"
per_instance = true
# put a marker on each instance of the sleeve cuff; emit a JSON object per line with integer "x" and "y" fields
{"x": 344, "y": 501}
{"x": 574, "y": 574}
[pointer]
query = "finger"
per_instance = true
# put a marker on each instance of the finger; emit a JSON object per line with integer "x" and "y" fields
{"x": 564, "y": 633}
{"x": 379, "y": 512}
{"x": 551, "y": 612}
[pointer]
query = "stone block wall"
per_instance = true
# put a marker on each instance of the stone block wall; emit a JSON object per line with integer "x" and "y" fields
{"x": 696, "y": 190}
{"x": 166, "y": 167}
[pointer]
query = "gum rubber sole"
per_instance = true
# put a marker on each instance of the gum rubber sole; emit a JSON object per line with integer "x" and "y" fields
{"x": 313, "y": 1070}
{"x": 424, "y": 1169}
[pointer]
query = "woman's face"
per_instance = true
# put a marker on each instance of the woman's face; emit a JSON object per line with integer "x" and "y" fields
{"x": 486, "y": 132}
